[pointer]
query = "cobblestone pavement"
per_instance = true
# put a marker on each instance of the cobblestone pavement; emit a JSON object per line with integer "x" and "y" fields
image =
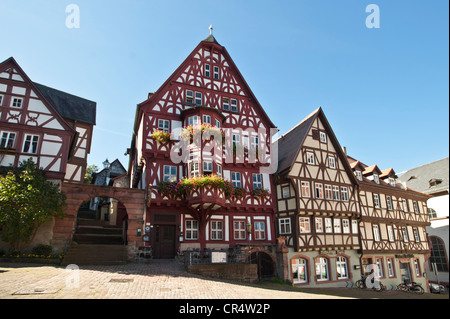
{"x": 159, "y": 279}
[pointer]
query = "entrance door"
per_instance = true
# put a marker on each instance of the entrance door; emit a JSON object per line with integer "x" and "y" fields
{"x": 265, "y": 265}
{"x": 164, "y": 241}
{"x": 405, "y": 272}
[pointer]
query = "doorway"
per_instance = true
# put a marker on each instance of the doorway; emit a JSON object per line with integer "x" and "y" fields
{"x": 405, "y": 272}
{"x": 265, "y": 264}
{"x": 164, "y": 241}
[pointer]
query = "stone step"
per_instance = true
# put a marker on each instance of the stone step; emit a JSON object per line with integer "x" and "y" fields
{"x": 98, "y": 239}
{"x": 95, "y": 255}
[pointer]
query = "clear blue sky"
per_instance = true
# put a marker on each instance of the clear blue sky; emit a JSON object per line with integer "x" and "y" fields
{"x": 384, "y": 91}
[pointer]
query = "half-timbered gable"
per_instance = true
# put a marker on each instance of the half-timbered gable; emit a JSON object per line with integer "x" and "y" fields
{"x": 317, "y": 201}
{"x": 205, "y": 91}
{"x": 35, "y": 125}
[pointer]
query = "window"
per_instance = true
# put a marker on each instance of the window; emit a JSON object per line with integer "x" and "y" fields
{"x": 358, "y": 175}
{"x": 219, "y": 170}
{"x": 310, "y": 158}
{"x": 286, "y": 192}
{"x": 260, "y": 231}
{"x": 331, "y": 162}
{"x": 217, "y": 123}
{"x": 198, "y": 98}
{"x": 392, "y": 181}
{"x": 239, "y": 230}
{"x": 207, "y": 168}
{"x": 170, "y": 173}
{"x": 226, "y": 104}
{"x": 284, "y": 225}
{"x": 7, "y": 140}
{"x": 346, "y": 226}
{"x": 354, "y": 226}
{"x": 344, "y": 191}
{"x": 236, "y": 179}
{"x": 328, "y": 192}
{"x": 1, "y": 100}
{"x": 432, "y": 213}
{"x": 164, "y": 125}
{"x": 319, "y": 225}
{"x": 17, "y": 102}
{"x": 405, "y": 205}
{"x": 304, "y": 225}
{"x": 337, "y": 225}
{"x": 321, "y": 269}
{"x": 341, "y": 267}
{"x": 206, "y": 119}
{"x": 405, "y": 234}
{"x": 193, "y": 120}
{"x": 191, "y": 230}
{"x": 30, "y": 144}
{"x": 379, "y": 263}
{"x": 376, "y": 201}
{"x": 189, "y": 96}
{"x": 336, "y": 192}
{"x": 254, "y": 142}
{"x": 216, "y": 73}
{"x": 207, "y": 70}
{"x": 417, "y": 268}
{"x": 376, "y": 232}
{"x": 416, "y": 207}
{"x": 328, "y": 225}
{"x": 323, "y": 137}
{"x": 257, "y": 181}
{"x": 236, "y": 139}
{"x": 416, "y": 235}
{"x": 389, "y": 202}
{"x": 195, "y": 169}
{"x": 319, "y": 190}
{"x": 438, "y": 254}
{"x": 390, "y": 264}
{"x": 234, "y": 105}
{"x": 299, "y": 270}
{"x": 376, "y": 178}
{"x": 216, "y": 230}
{"x": 390, "y": 231}
{"x": 305, "y": 189}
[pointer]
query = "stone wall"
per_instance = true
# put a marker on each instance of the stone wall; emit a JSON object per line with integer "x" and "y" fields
{"x": 238, "y": 272}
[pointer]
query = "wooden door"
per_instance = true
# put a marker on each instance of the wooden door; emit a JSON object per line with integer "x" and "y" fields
{"x": 164, "y": 242}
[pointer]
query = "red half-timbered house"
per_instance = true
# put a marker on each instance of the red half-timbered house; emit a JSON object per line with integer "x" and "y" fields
{"x": 51, "y": 127}
{"x": 207, "y": 94}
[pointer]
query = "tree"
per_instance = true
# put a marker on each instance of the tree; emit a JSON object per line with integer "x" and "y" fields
{"x": 27, "y": 200}
{"x": 90, "y": 170}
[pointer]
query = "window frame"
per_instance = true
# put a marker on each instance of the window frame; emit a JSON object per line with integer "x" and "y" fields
{"x": 239, "y": 228}
{"x": 259, "y": 232}
{"x": 6, "y": 141}
{"x": 170, "y": 177}
{"x": 207, "y": 70}
{"x": 165, "y": 128}
{"x": 191, "y": 229}
{"x": 310, "y": 158}
{"x": 14, "y": 100}
{"x": 306, "y": 190}
{"x": 304, "y": 225}
{"x": 257, "y": 183}
{"x": 331, "y": 162}
{"x": 216, "y": 231}
{"x": 321, "y": 263}
{"x": 32, "y": 142}
{"x": 318, "y": 190}
{"x": 237, "y": 182}
{"x": 342, "y": 263}
{"x": 284, "y": 225}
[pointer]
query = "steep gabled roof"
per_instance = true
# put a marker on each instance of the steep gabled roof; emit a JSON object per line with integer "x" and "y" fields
{"x": 371, "y": 170}
{"x": 289, "y": 144}
{"x": 70, "y": 106}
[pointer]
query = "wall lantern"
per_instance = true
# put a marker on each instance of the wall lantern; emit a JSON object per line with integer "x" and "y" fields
{"x": 181, "y": 238}
{"x": 249, "y": 228}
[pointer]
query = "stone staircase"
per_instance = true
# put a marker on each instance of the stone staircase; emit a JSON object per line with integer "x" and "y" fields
{"x": 96, "y": 243}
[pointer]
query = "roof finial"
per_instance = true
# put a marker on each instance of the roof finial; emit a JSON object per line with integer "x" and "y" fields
{"x": 211, "y": 29}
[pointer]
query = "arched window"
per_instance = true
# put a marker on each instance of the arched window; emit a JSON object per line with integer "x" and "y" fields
{"x": 299, "y": 270}
{"x": 438, "y": 255}
{"x": 341, "y": 267}
{"x": 322, "y": 269}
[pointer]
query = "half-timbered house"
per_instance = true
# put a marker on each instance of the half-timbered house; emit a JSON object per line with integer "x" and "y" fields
{"x": 393, "y": 226}
{"x": 52, "y": 127}
{"x": 207, "y": 94}
{"x": 317, "y": 205}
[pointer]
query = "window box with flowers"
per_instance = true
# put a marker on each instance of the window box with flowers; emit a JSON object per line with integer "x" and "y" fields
{"x": 161, "y": 136}
{"x": 187, "y": 134}
{"x": 259, "y": 192}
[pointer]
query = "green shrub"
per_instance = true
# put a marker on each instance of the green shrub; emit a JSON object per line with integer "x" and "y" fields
{"x": 42, "y": 250}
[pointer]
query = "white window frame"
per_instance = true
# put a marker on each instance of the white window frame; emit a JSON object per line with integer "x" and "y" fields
{"x": 193, "y": 120}
{"x": 1, "y": 99}
{"x": 391, "y": 234}
{"x": 379, "y": 262}
{"x": 336, "y": 194}
{"x": 310, "y": 158}
{"x": 390, "y": 264}
{"x": 219, "y": 170}
{"x": 169, "y": 173}
{"x": 337, "y": 225}
{"x": 331, "y": 162}
{"x": 416, "y": 234}
{"x": 6, "y": 141}
{"x": 164, "y": 125}
{"x": 355, "y": 226}
{"x": 260, "y": 230}
{"x": 284, "y": 225}
{"x": 416, "y": 207}
{"x": 34, "y": 140}
{"x": 236, "y": 140}
{"x": 216, "y": 73}
{"x": 207, "y": 168}
{"x": 239, "y": 229}
{"x": 417, "y": 268}
{"x": 376, "y": 201}
{"x": 319, "y": 224}
{"x": 328, "y": 192}
{"x": 345, "y": 226}
{"x": 285, "y": 192}
{"x": 405, "y": 234}
{"x": 328, "y": 225}
{"x": 344, "y": 193}
{"x": 389, "y": 202}
{"x": 194, "y": 169}
{"x": 236, "y": 179}
{"x": 189, "y": 96}
{"x": 304, "y": 225}
{"x": 234, "y": 105}
{"x": 306, "y": 190}
{"x": 225, "y": 104}
{"x": 358, "y": 175}
{"x": 198, "y": 99}
{"x": 207, "y": 70}
{"x": 376, "y": 178}
{"x": 16, "y": 102}
{"x": 217, "y": 123}
{"x": 216, "y": 230}
{"x": 300, "y": 264}
{"x": 206, "y": 119}
{"x": 318, "y": 190}
{"x": 257, "y": 180}
{"x": 320, "y": 264}
{"x": 376, "y": 232}
{"x": 341, "y": 267}
{"x": 323, "y": 137}
{"x": 405, "y": 205}
{"x": 191, "y": 230}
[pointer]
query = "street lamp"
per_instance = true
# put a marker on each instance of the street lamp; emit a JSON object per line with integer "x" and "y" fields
{"x": 249, "y": 231}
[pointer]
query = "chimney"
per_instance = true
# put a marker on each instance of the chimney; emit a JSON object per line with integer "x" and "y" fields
{"x": 344, "y": 149}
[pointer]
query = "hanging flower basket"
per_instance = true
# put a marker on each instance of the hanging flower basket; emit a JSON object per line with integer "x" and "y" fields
{"x": 161, "y": 136}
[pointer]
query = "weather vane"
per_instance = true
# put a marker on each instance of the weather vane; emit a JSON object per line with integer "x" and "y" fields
{"x": 211, "y": 29}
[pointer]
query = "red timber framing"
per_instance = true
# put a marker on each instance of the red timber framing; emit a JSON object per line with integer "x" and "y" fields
{"x": 207, "y": 88}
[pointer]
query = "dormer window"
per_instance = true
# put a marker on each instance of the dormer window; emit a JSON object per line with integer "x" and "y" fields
{"x": 392, "y": 181}
{"x": 358, "y": 175}
{"x": 435, "y": 182}
{"x": 376, "y": 178}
